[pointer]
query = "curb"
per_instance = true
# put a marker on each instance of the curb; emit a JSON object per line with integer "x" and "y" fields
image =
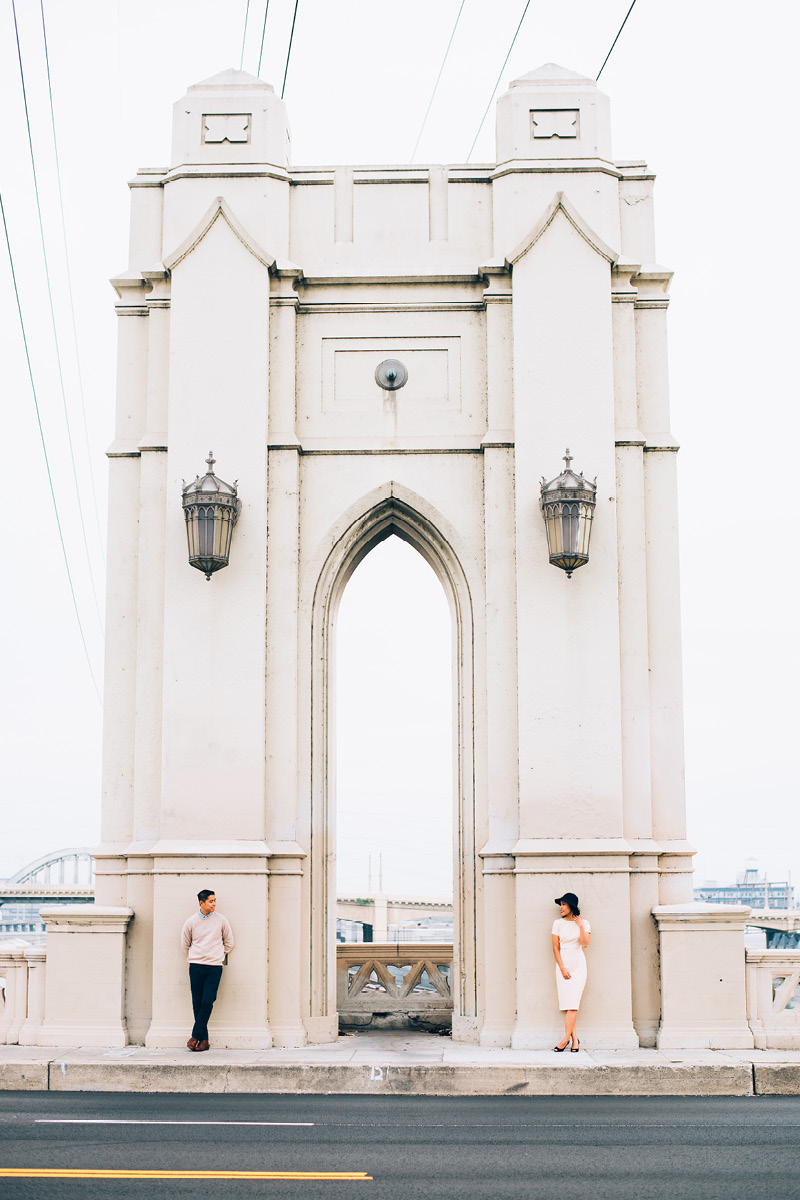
{"x": 730, "y": 1079}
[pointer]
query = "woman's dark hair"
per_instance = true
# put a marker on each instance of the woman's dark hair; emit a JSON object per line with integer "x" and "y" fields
{"x": 202, "y": 896}
{"x": 570, "y": 899}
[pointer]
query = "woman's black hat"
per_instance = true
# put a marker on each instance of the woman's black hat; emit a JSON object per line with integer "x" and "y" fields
{"x": 571, "y": 899}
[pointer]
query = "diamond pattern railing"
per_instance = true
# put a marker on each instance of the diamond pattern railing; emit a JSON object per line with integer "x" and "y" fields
{"x": 395, "y": 980}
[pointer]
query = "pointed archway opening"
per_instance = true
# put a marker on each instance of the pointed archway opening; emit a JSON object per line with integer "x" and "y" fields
{"x": 394, "y": 793}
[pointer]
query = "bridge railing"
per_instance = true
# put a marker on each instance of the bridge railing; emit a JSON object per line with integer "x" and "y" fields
{"x": 22, "y": 976}
{"x": 773, "y": 998}
{"x": 394, "y": 985}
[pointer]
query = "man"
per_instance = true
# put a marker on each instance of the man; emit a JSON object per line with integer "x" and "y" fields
{"x": 206, "y": 939}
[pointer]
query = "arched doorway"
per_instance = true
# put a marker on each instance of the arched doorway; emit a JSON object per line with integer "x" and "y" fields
{"x": 390, "y": 516}
{"x": 394, "y": 794}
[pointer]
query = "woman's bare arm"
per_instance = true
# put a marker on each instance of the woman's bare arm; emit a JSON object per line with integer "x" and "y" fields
{"x": 557, "y": 954}
{"x": 583, "y": 932}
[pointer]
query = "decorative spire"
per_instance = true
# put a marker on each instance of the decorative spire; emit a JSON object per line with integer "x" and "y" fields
{"x": 568, "y": 458}
{"x": 211, "y": 460}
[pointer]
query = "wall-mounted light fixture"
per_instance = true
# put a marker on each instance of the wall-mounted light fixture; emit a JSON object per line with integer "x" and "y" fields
{"x": 568, "y": 507}
{"x": 391, "y": 374}
{"x": 212, "y": 508}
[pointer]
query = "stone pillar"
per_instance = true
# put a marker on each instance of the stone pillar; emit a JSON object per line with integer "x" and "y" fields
{"x": 380, "y": 930}
{"x": 570, "y": 757}
{"x": 85, "y": 1003}
{"x": 663, "y": 588}
{"x": 36, "y": 958}
{"x": 703, "y": 1001}
{"x": 119, "y": 723}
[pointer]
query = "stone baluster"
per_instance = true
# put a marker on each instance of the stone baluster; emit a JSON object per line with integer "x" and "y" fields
{"x": 15, "y": 969}
{"x": 36, "y": 958}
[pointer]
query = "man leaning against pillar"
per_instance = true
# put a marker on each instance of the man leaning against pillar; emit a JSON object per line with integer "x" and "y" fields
{"x": 206, "y": 939}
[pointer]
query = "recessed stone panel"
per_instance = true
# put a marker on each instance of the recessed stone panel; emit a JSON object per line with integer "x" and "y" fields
{"x": 434, "y": 373}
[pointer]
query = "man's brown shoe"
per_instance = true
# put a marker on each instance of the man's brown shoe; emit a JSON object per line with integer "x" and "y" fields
{"x": 192, "y": 1043}
{"x": 202, "y": 1046}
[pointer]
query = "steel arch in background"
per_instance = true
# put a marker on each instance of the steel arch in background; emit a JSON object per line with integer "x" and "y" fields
{"x": 53, "y": 869}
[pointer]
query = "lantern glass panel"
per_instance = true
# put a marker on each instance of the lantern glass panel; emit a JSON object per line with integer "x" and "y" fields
{"x": 586, "y": 529}
{"x": 569, "y": 529}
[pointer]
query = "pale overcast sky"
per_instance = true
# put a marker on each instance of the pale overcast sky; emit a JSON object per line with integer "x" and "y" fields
{"x": 704, "y": 93}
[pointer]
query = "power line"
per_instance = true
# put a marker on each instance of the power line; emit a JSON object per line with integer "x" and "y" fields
{"x": 53, "y": 317}
{"x": 263, "y": 34}
{"x": 499, "y": 77}
{"x": 44, "y": 449}
{"x": 289, "y": 51}
{"x": 69, "y": 288}
{"x": 613, "y": 44}
{"x": 244, "y": 35}
{"x": 438, "y": 77}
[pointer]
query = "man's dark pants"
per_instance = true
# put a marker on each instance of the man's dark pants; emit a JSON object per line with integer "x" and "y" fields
{"x": 204, "y": 981}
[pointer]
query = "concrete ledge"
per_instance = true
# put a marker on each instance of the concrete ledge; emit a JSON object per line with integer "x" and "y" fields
{"x": 777, "y": 1079}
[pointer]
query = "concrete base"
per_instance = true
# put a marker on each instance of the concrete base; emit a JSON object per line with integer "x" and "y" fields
{"x": 165, "y": 1037}
{"x": 417, "y": 1064}
{"x": 593, "y": 1039}
{"x": 65, "y": 1033}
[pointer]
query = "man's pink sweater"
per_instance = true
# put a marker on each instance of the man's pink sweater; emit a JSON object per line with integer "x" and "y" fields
{"x": 207, "y": 940}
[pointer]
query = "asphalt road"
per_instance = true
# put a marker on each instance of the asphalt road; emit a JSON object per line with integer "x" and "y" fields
{"x": 600, "y": 1148}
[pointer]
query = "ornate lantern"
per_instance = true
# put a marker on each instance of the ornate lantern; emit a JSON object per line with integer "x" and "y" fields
{"x": 568, "y": 507}
{"x": 211, "y": 507}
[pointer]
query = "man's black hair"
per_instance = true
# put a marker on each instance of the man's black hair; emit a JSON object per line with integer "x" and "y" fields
{"x": 202, "y": 896}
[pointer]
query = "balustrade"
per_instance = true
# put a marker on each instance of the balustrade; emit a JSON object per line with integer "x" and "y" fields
{"x": 14, "y": 1010}
{"x": 394, "y": 985}
{"x": 773, "y": 998}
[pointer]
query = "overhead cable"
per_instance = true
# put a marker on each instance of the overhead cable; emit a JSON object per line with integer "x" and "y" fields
{"x": 263, "y": 32}
{"x": 613, "y": 44}
{"x": 44, "y": 449}
{"x": 499, "y": 77}
{"x": 289, "y": 51}
{"x": 244, "y": 35}
{"x": 438, "y": 77}
{"x": 53, "y": 318}
{"x": 69, "y": 288}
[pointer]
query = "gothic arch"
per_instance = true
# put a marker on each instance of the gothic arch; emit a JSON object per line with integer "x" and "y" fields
{"x": 391, "y": 509}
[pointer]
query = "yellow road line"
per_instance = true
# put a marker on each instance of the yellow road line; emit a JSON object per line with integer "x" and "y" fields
{"x": 66, "y": 1173}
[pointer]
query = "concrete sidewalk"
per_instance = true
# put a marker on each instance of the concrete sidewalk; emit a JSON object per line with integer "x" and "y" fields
{"x": 405, "y": 1064}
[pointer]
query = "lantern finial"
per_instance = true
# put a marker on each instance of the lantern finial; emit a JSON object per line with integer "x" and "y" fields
{"x": 568, "y": 458}
{"x": 211, "y": 460}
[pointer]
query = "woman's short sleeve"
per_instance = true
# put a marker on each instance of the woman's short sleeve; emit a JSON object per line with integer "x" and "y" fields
{"x": 587, "y": 926}
{"x": 555, "y": 927}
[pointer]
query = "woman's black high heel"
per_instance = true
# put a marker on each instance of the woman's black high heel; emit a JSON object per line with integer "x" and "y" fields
{"x": 575, "y": 1049}
{"x": 559, "y": 1049}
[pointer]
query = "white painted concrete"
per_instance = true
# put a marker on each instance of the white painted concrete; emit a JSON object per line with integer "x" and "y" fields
{"x": 524, "y": 300}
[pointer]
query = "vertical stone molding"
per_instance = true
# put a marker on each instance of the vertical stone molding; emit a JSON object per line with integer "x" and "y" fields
{"x": 703, "y": 1002}
{"x": 85, "y": 1004}
{"x": 285, "y": 949}
{"x": 36, "y": 958}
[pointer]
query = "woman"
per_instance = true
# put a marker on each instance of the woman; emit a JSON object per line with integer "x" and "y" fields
{"x": 570, "y": 939}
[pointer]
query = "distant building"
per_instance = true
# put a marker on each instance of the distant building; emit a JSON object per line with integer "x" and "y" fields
{"x": 751, "y": 888}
